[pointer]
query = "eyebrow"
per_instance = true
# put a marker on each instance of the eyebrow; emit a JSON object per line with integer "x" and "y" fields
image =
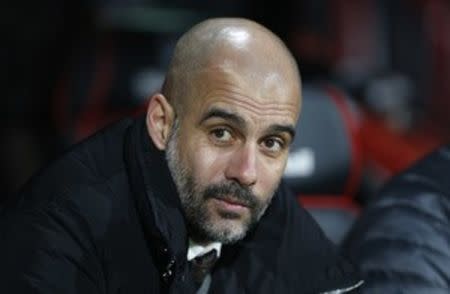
{"x": 224, "y": 114}
{"x": 240, "y": 122}
{"x": 277, "y": 128}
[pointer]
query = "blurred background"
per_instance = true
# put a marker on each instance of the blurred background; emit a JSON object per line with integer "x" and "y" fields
{"x": 71, "y": 67}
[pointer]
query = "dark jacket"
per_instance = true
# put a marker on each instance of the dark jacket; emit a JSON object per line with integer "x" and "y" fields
{"x": 105, "y": 218}
{"x": 402, "y": 241}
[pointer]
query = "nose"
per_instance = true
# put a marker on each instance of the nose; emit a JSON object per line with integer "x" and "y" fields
{"x": 242, "y": 166}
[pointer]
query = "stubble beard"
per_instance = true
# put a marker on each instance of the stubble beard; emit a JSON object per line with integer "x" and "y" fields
{"x": 226, "y": 228}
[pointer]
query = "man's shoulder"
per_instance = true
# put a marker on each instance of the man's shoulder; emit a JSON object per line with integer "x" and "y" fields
{"x": 89, "y": 177}
{"x": 288, "y": 252}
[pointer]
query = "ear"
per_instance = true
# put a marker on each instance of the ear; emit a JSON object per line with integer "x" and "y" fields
{"x": 159, "y": 120}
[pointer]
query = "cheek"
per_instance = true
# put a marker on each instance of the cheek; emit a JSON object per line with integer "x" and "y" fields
{"x": 206, "y": 163}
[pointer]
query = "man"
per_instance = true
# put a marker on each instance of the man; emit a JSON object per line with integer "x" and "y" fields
{"x": 124, "y": 211}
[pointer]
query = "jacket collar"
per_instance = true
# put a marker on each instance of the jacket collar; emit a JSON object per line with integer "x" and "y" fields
{"x": 156, "y": 197}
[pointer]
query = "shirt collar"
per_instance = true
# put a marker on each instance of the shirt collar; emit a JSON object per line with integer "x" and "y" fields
{"x": 196, "y": 250}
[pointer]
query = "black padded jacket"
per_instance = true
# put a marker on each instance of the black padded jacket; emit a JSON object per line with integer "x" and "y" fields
{"x": 106, "y": 218}
{"x": 402, "y": 240}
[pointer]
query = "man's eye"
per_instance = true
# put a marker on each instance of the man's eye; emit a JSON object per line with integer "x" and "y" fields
{"x": 221, "y": 135}
{"x": 273, "y": 145}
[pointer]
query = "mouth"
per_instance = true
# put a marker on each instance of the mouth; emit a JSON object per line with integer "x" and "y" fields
{"x": 230, "y": 204}
{"x": 232, "y": 200}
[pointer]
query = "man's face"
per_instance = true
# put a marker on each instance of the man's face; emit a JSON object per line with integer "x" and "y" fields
{"x": 227, "y": 152}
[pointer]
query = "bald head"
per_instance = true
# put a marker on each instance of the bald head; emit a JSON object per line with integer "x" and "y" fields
{"x": 226, "y": 44}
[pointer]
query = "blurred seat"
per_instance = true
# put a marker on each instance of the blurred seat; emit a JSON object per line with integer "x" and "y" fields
{"x": 108, "y": 79}
{"x": 325, "y": 161}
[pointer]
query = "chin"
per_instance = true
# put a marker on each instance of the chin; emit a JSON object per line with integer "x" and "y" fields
{"x": 227, "y": 231}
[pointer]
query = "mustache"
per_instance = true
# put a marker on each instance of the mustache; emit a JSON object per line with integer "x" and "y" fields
{"x": 232, "y": 192}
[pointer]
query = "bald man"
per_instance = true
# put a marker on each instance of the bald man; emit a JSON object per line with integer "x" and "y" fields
{"x": 186, "y": 199}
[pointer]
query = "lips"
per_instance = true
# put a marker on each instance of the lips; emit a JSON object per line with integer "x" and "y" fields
{"x": 232, "y": 201}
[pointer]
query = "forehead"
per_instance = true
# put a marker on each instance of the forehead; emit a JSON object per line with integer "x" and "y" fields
{"x": 260, "y": 96}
